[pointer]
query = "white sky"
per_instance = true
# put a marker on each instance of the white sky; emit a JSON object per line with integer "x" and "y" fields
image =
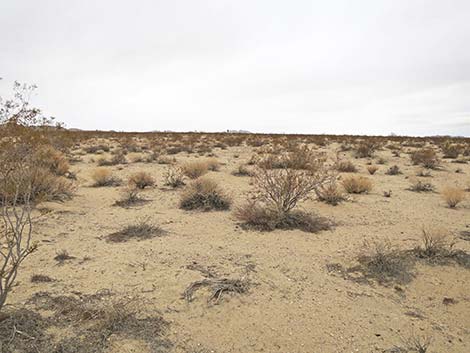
{"x": 337, "y": 66}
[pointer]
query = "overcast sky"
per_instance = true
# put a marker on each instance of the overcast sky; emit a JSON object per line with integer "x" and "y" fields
{"x": 337, "y": 66}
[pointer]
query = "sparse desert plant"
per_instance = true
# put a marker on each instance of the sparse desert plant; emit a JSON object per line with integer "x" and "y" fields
{"x": 372, "y": 169}
{"x": 62, "y": 256}
{"x": 262, "y": 217}
{"x": 330, "y": 193}
{"x": 117, "y": 158}
{"x": 425, "y": 157}
{"x": 130, "y": 197}
{"x": 435, "y": 243}
{"x": 453, "y": 196}
{"x": 141, "y": 180}
{"x": 381, "y": 160}
{"x": 142, "y": 229}
{"x": 346, "y": 167}
{"x": 174, "y": 177}
{"x": 384, "y": 263}
{"x": 393, "y": 170}
{"x": 242, "y": 170}
{"x": 366, "y": 149}
{"x": 424, "y": 173}
{"x": 204, "y": 194}
{"x": 213, "y": 164}
{"x": 104, "y": 177}
{"x": 194, "y": 170}
{"x": 451, "y": 150}
{"x": 421, "y": 186}
{"x": 165, "y": 160}
{"x": 357, "y": 185}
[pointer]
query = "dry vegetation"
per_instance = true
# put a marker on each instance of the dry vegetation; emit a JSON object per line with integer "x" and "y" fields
{"x": 373, "y": 269}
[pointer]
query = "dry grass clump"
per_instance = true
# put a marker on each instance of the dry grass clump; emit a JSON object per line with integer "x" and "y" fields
{"x": 218, "y": 287}
{"x": 384, "y": 263}
{"x": 435, "y": 243}
{"x": 453, "y": 196}
{"x": 366, "y": 149}
{"x": 346, "y": 167}
{"x": 117, "y": 158}
{"x": 213, "y": 164}
{"x": 174, "y": 177}
{"x": 92, "y": 323}
{"x": 204, "y": 194}
{"x": 357, "y": 185}
{"x": 393, "y": 170}
{"x": 421, "y": 186}
{"x": 41, "y": 279}
{"x": 165, "y": 160}
{"x": 372, "y": 169}
{"x": 425, "y": 157}
{"x": 141, "y": 180}
{"x": 194, "y": 170}
{"x": 130, "y": 197}
{"x": 104, "y": 177}
{"x": 243, "y": 170}
{"x": 62, "y": 256}
{"x": 141, "y": 230}
{"x": 330, "y": 193}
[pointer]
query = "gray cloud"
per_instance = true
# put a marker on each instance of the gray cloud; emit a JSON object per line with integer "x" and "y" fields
{"x": 369, "y": 67}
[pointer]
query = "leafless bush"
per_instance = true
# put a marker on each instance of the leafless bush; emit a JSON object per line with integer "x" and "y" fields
{"x": 366, "y": 149}
{"x": 130, "y": 197}
{"x": 174, "y": 177}
{"x": 330, "y": 193}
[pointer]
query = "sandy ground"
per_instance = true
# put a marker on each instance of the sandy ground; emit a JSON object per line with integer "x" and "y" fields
{"x": 295, "y": 303}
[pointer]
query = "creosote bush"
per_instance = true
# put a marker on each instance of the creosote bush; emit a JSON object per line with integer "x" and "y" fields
{"x": 453, "y": 196}
{"x": 206, "y": 195}
{"x": 141, "y": 180}
{"x": 357, "y": 185}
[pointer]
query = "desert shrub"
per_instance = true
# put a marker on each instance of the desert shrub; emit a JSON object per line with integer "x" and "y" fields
{"x": 49, "y": 158}
{"x": 141, "y": 230}
{"x": 130, "y": 197}
{"x": 424, "y": 173}
{"x": 453, "y": 196}
{"x": 381, "y": 160}
{"x": 141, "y": 180}
{"x": 174, "y": 177}
{"x": 330, "y": 193}
{"x": 357, "y": 185}
{"x": 117, "y": 158}
{"x": 384, "y": 263}
{"x": 194, "y": 170}
{"x": 38, "y": 278}
{"x": 393, "y": 170}
{"x": 434, "y": 243}
{"x": 301, "y": 158}
{"x": 206, "y": 195}
{"x": 242, "y": 170}
{"x": 259, "y": 216}
{"x": 346, "y": 167}
{"x": 421, "y": 186}
{"x": 366, "y": 149}
{"x": 451, "y": 150}
{"x": 372, "y": 169}
{"x": 165, "y": 160}
{"x": 104, "y": 177}
{"x": 425, "y": 157}
{"x": 213, "y": 164}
